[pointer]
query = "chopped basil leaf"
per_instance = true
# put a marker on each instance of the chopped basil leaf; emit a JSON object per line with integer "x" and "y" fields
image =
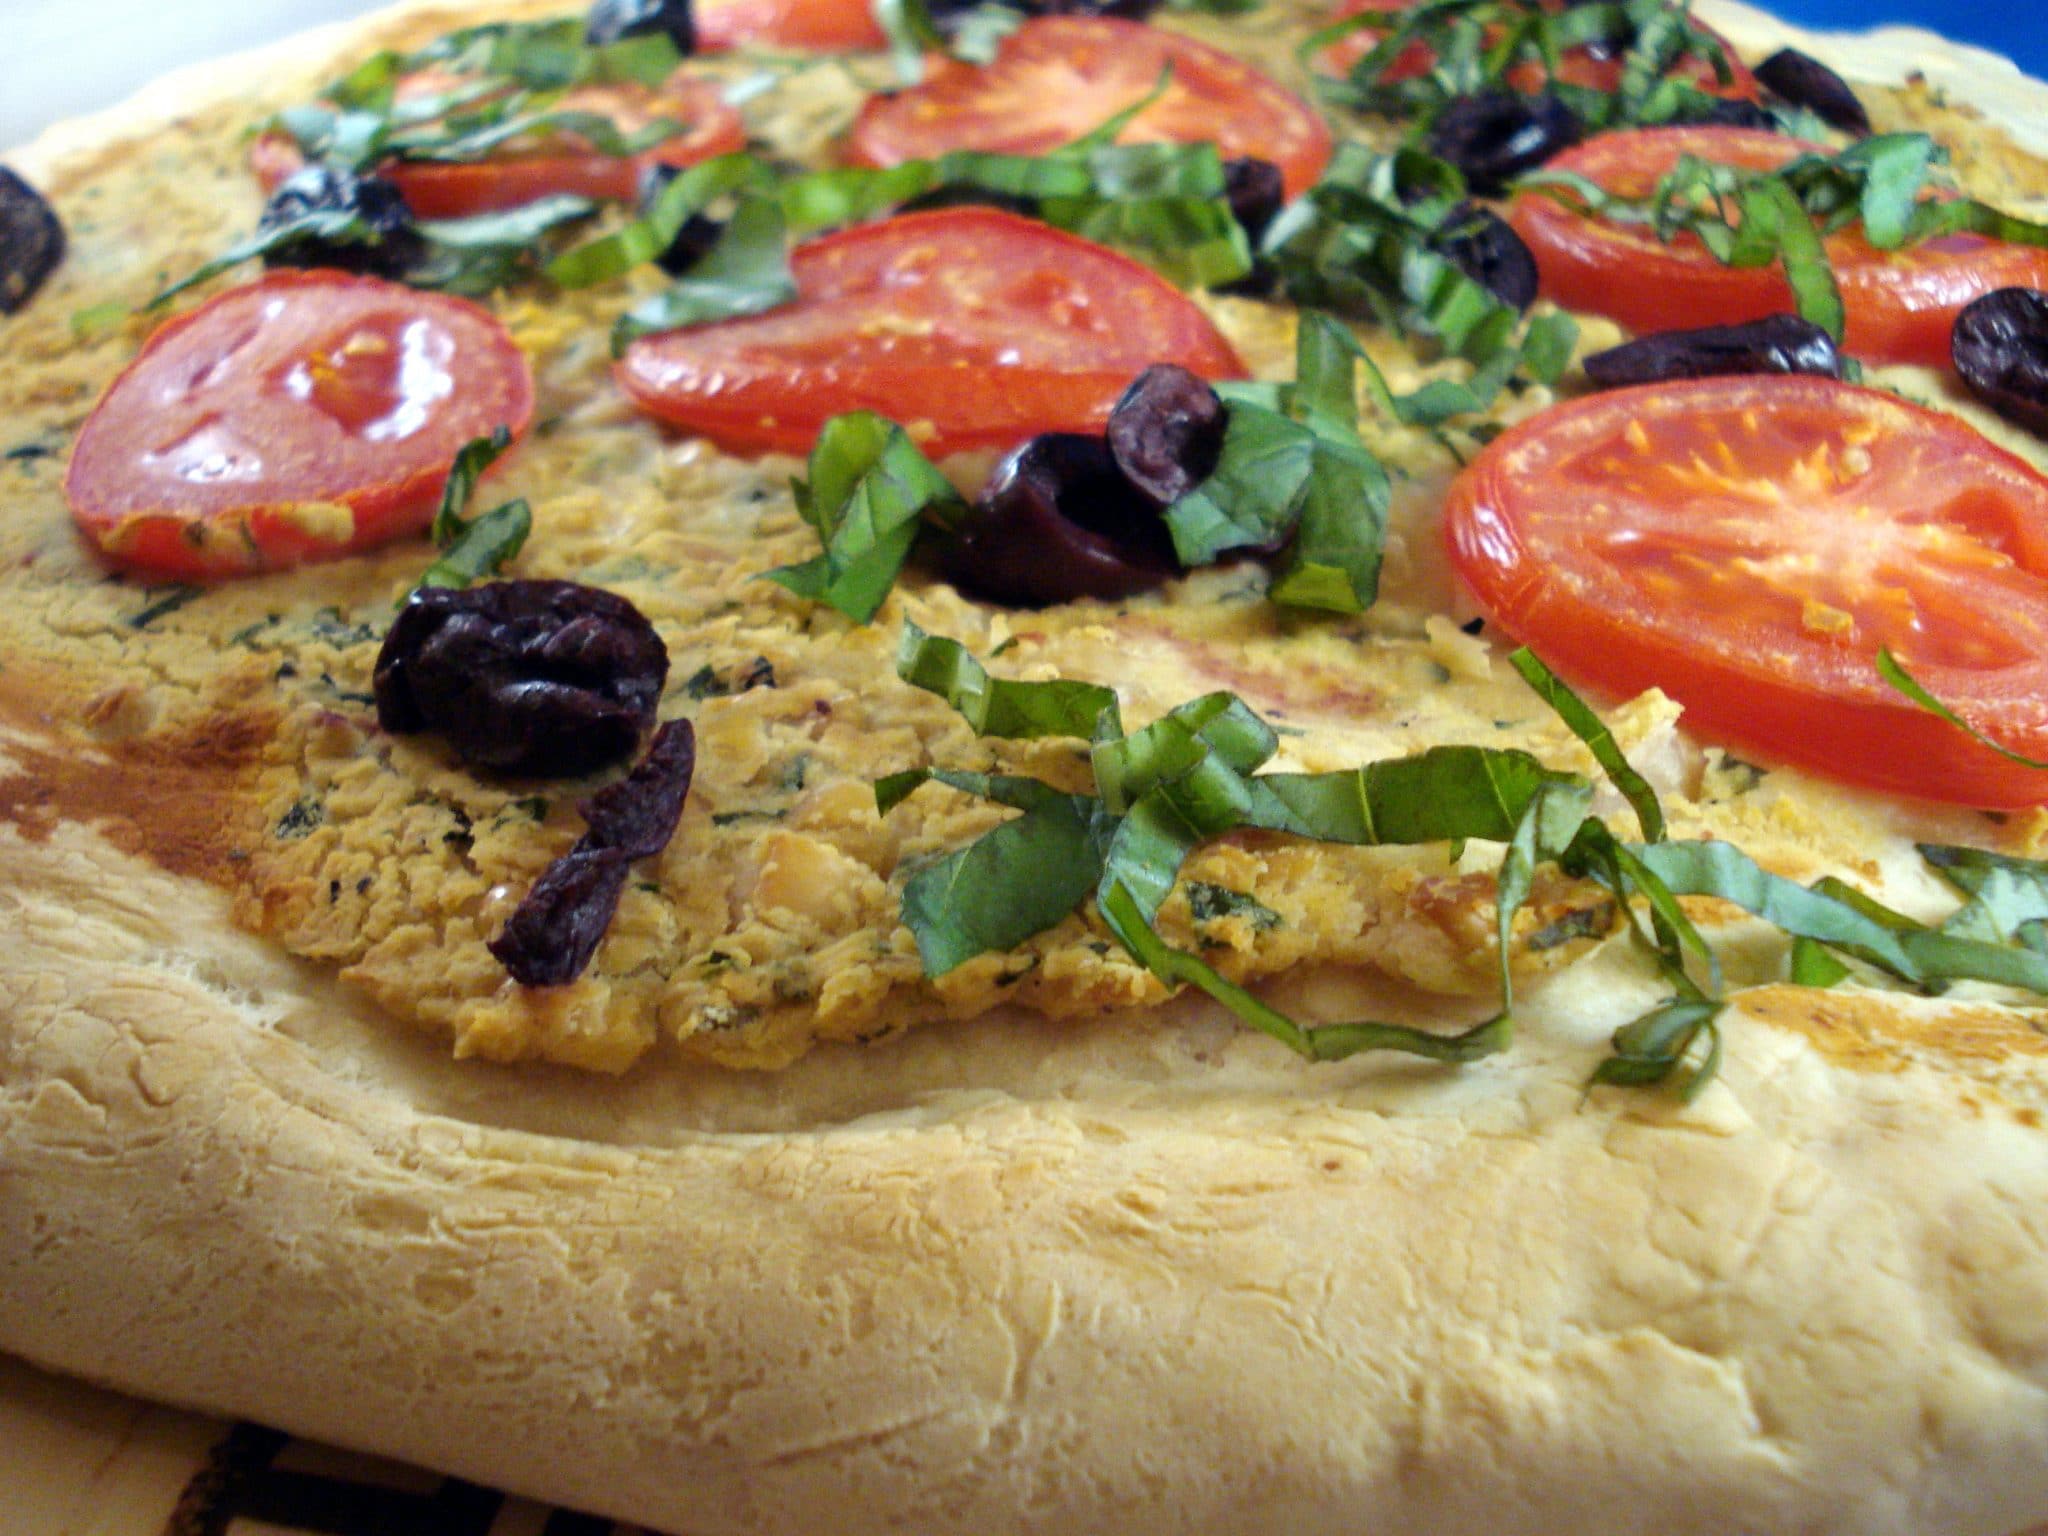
{"x": 868, "y": 492}
{"x": 746, "y": 273}
{"x": 471, "y": 460}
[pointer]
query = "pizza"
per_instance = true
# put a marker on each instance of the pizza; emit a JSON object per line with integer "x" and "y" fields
{"x": 964, "y": 770}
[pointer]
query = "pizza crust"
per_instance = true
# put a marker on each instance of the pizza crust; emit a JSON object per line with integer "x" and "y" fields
{"x": 1149, "y": 1275}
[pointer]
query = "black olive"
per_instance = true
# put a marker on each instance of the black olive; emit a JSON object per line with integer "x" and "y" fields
{"x": 1774, "y": 344}
{"x": 1496, "y": 135}
{"x": 612, "y": 21}
{"x": 1255, "y": 192}
{"x": 1484, "y": 246}
{"x": 1166, "y": 432}
{"x": 546, "y": 678}
{"x": 2000, "y": 347}
{"x": 1794, "y": 77}
{"x": 1729, "y": 112}
{"x": 553, "y": 933}
{"x": 1059, "y": 521}
{"x": 31, "y": 241}
{"x": 392, "y": 242}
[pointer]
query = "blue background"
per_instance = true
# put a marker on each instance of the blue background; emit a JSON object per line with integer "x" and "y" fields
{"x": 2016, "y": 28}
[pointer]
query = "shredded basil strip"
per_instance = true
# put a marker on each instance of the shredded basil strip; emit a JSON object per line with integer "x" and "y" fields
{"x": 974, "y": 36}
{"x": 1000, "y": 707}
{"x": 1652, "y": 38}
{"x": 869, "y": 490}
{"x": 1366, "y": 242}
{"x": 471, "y": 256}
{"x": 1192, "y": 775}
{"x": 1894, "y": 673}
{"x": 641, "y": 241}
{"x": 1750, "y": 218}
{"x": 746, "y": 273}
{"x": 482, "y": 546}
{"x": 471, "y": 460}
{"x": 1583, "y": 723}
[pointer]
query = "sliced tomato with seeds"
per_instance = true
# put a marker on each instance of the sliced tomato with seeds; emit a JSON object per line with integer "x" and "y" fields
{"x": 972, "y": 327}
{"x": 1901, "y": 305}
{"x": 302, "y": 417}
{"x": 826, "y": 26}
{"x": 1593, "y": 70}
{"x": 522, "y": 173}
{"x": 1058, "y": 77}
{"x": 1748, "y": 544}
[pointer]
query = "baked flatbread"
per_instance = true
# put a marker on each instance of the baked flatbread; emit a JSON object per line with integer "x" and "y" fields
{"x": 1128, "y": 1267}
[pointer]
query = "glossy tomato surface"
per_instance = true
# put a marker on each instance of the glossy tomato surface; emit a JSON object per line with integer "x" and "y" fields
{"x": 1579, "y": 66}
{"x": 1058, "y": 77}
{"x": 1901, "y": 305}
{"x": 1748, "y": 545}
{"x": 302, "y": 417}
{"x": 823, "y": 25}
{"x": 972, "y": 327}
{"x": 525, "y": 172}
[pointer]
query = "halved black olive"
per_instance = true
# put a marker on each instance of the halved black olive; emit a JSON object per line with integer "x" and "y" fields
{"x": 2000, "y": 347}
{"x": 612, "y": 21}
{"x": 1059, "y": 521}
{"x": 393, "y": 242}
{"x": 1774, "y": 344}
{"x": 1804, "y": 81}
{"x": 1494, "y": 136}
{"x": 546, "y": 678}
{"x": 1484, "y": 246}
{"x": 1166, "y": 432}
{"x": 31, "y": 241}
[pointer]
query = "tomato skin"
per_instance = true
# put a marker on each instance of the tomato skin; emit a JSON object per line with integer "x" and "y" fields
{"x": 826, "y": 26}
{"x": 1901, "y": 305}
{"x": 1057, "y": 77}
{"x": 302, "y": 417}
{"x": 1578, "y": 67}
{"x": 972, "y": 327}
{"x": 1747, "y": 544}
{"x": 450, "y": 190}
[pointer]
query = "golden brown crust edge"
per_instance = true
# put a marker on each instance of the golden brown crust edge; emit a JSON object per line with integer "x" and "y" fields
{"x": 1189, "y": 1301}
{"x": 1147, "y": 1278}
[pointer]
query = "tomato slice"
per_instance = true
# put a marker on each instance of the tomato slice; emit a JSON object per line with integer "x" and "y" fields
{"x": 827, "y": 26}
{"x": 301, "y": 417}
{"x": 525, "y": 173}
{"x": 1579, "y": 66}
{"x": 1901, "y": 305}
{"x": 1748, "y": 544}
{"x": 1057, "y": 77}
{"x": 972, "y": 327}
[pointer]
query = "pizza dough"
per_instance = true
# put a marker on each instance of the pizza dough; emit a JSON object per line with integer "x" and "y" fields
{"x": 1144, "y": 1274}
